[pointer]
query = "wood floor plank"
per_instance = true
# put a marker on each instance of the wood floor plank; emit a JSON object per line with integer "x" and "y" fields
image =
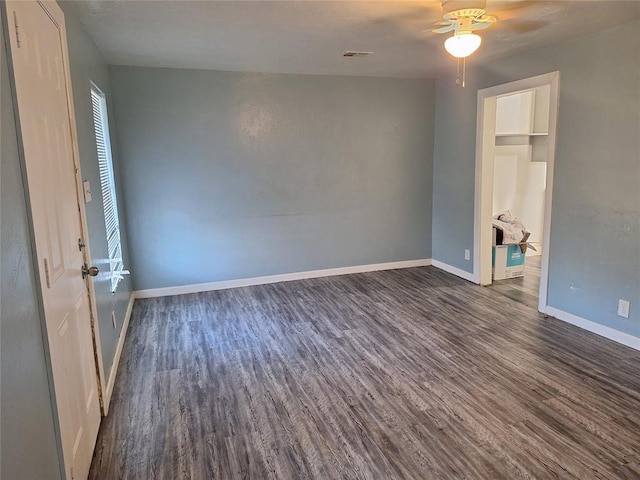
{"x": 403, "y": 374}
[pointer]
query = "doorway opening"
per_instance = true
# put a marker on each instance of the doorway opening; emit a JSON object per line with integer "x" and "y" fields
{"x": 515, "y": 153}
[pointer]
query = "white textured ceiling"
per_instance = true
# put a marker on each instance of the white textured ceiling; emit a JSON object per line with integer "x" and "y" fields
{"x": 311, "y": 36}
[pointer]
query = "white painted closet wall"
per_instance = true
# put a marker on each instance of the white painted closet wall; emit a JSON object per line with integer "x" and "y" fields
{"x": 519, "y": 183}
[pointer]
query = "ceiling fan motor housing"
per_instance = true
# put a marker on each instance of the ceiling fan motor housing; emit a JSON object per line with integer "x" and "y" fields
{"x": 456, "y": 9}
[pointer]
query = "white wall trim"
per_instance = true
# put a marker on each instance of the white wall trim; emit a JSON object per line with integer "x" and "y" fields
{"x": 285, "y": 277}
{"x": 118, "y": 353}
{"x": 455, "y": 271}
{"x": 483, "y": 199}
{"x": 593, "y": 327}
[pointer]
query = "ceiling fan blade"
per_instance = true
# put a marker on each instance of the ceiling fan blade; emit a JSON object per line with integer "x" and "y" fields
{"x": 481, "y": 26}
{"x": 523, "y": 26}
{"x": 510, "y": 10}
{"x": 485, "y": 19}
{"x": 446, "y": 29}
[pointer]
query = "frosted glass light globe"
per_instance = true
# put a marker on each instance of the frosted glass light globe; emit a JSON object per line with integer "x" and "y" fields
{"x": 463, "y": 44}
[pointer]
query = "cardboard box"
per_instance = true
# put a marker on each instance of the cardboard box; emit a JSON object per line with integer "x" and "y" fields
{"x": 523, "y": 244}
{"x": 507, "y": 261}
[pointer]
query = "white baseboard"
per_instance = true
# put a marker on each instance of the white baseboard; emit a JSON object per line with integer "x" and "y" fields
{"x": 285, "y": 277}
{"x": 118, "y": 353}
{"x": 593, "y": 327}
{"x": 455, "y": 271}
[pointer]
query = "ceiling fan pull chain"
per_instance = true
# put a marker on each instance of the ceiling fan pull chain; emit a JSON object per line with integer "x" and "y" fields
{"x": 464, "y": 72}
{"x": 460, "y": 82}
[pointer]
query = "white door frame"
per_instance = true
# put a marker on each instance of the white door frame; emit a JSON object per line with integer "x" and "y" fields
{"x": 485, "y": 146}
{"x": 57, "y": 15}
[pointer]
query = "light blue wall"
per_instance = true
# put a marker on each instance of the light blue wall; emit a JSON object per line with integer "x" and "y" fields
{"x": 87, "y": 65}
{"x": 595, "y": 232}
{"x": 27, "y": 435}
{"x": 231, "y": 175}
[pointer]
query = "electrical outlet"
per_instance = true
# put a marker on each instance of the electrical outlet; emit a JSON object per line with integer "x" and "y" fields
{"x": 623, "y": 308}
{"x": 467, "y": 254}
{"x": 113, "y": 319}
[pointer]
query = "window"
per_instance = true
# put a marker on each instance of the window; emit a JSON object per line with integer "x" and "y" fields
{"x": 108, "y": 186}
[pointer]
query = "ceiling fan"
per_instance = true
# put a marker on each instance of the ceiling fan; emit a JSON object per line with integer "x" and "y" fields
{"x": 463, "y": 17}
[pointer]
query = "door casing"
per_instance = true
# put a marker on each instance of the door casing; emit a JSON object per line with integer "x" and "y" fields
{"x": 485, "y": 145}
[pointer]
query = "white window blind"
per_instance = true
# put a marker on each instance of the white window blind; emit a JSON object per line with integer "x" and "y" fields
{"x": 108, "y": 186}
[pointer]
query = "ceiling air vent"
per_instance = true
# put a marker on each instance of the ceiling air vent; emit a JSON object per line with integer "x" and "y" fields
{"x": 354, "y": 53}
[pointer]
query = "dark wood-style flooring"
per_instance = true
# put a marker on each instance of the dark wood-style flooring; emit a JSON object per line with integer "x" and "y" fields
{"x": 409, "y": 373}
{"x": 525, "y": 289}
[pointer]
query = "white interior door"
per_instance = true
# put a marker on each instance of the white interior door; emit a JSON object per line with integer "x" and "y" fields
{"x": 38, "y": 50}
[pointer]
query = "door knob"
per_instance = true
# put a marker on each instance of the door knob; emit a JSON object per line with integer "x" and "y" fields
{"x": 89, "y": 271}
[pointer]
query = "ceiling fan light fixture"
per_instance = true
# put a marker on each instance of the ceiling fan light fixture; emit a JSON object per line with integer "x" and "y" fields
{"x": 462, "y": 44}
